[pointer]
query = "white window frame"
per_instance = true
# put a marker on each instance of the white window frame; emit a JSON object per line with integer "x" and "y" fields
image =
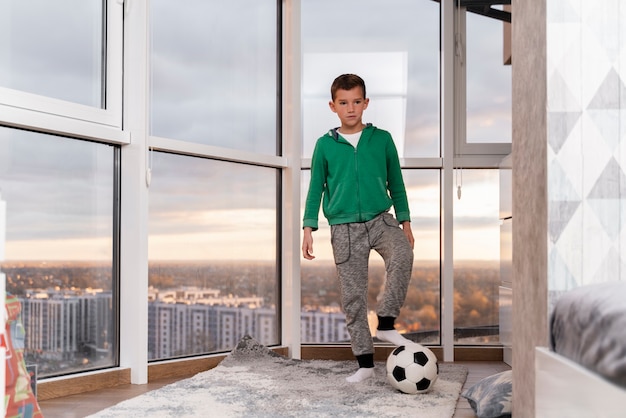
{"x": 27, "y": 110}
{"x": 477, "y": 154}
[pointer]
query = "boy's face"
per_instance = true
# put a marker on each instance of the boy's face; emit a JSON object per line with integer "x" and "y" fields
{"x": 349, "y": 106}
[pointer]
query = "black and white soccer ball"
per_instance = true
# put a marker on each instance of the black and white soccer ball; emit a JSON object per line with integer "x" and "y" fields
{"x": 412, "y": 368}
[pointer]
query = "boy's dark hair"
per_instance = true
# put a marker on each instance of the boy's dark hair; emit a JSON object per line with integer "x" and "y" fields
{"x": 347, "y": 82}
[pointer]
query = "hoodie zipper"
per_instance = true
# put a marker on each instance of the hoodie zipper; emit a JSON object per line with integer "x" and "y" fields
{"x": 358, "y": 189}
{"x": 335, "y": 135}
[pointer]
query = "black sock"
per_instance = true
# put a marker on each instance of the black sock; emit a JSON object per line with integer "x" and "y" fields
{"x": 385, "y": 323}
{"x": 366, "y": 361}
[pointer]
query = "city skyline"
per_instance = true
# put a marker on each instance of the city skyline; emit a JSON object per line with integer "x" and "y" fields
{"x": 68, "y": 307}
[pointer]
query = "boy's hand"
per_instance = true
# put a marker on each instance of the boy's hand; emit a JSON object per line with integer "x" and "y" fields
{"x": 406, "y": 227}
{"x": 307, "y": 243}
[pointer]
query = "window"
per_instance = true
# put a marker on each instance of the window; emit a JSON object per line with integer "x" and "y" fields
{"x": 484, "y": 88}
{"x": 214, "y": 147}
{"x": 394, "y": 47}
{"x": 214, "y": 222}
{"x": 214, "y": 73}
{"x": 420, "y": 317}
{"x": 476, "y": 257}
{"x": 488, "y": 82}
{"x": 52, "y": 53}
{"x": 60, "y": 197}
{"x": 55, "y": 63}
{"x": 213, "y": 251}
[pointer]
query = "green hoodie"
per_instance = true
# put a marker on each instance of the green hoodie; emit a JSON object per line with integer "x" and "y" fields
{"x": 356, "y": 184}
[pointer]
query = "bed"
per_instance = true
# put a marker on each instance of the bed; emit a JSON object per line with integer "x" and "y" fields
{"x": 583, "y": 371}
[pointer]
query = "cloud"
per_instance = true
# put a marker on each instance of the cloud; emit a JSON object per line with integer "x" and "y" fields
{"x": 55, "y": 49}
{"x": 214, "y": 78}
{"x": 200, "y": 184}
{"x": 55, "y": 187}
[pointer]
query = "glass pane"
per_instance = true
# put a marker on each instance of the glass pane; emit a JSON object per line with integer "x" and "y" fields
{"x": 422, "y": 309}
{"x": 477, "y": 257}
{"x": 322, "y": 318}
{"x": 213, "y": 256}
{"x": 488, "y": 82}
{"x": 59, "y": 196}
{"x": 394, "y": 47}
{"x": 213, "y": 69}
{"x": 53, "y": 48}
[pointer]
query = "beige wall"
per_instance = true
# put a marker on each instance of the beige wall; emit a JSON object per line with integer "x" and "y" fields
{"x": 530, "y": 205}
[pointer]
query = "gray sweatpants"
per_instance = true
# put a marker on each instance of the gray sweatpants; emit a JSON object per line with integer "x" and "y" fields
{"x": 352, "y": 244}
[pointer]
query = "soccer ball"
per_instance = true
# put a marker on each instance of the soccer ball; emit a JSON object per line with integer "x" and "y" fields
{"x": 412, "y": 368}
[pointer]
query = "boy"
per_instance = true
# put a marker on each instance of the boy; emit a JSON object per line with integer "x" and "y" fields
{"x": 356, "y": 170}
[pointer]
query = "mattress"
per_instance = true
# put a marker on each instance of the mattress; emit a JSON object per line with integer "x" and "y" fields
{"x": 588, "y": 326}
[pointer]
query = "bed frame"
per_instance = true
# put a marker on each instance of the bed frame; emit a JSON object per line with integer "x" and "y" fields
{"x": 564, "y": 388}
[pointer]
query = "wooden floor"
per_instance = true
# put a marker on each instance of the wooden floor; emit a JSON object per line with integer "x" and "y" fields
{"x": 78, "y": 406}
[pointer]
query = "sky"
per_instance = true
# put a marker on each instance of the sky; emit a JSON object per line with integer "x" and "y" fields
{"x": 214, "y": 83}
{"x": 58, "y": 57}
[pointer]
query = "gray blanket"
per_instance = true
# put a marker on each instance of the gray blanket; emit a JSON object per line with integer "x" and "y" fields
{"x": 588, "y": 326}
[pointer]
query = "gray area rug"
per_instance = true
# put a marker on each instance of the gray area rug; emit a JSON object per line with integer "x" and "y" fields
{"x": 253, "y": 381}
